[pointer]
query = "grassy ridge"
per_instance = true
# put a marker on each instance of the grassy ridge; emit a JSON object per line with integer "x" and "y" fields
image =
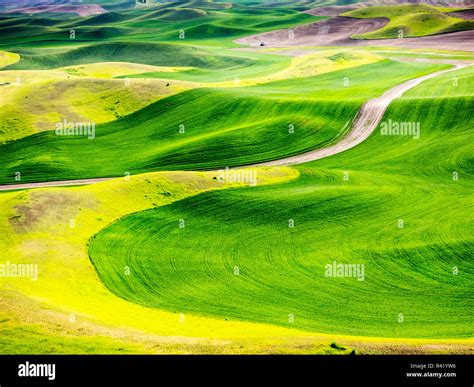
{"x": 411, "y": 20}
{"x": 39, "y": 106}
{"x": 224, "y": 127}
{"x": 272, "y": 68}
{"x": 281, "y": 270}
{"x": 87, "y": 92}
{"x": 207, "y": 64}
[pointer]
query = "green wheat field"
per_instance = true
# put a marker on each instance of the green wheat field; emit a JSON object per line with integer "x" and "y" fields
{"x": 174, "y": 177}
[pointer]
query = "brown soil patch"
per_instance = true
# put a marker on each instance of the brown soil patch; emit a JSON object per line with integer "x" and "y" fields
{"x": 337, "y": 31}
{"x": 329, "y": 32}
{"x": 467, "y": 14}
{"x": 44, "y": 206}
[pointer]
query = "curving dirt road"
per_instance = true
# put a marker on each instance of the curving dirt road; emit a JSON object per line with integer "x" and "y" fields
{"x": 60, "y": 183}
{"x": 329, "y": 32}
{"x": 363, "y": 125}
{"x": 365, "y": 122}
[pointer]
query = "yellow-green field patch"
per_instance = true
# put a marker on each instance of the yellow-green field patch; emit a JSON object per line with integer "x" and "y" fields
{"x": 8, "y": 58}
{"x": 116, "y": 69}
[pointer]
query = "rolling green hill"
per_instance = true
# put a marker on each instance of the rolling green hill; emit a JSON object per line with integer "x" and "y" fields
{"x": 411, "y": 20}
{"x": 237, "y": 258}
{"x": 222, "y": 127}
{"x": 158, "y": 54}
{"x": 170, "y": 259}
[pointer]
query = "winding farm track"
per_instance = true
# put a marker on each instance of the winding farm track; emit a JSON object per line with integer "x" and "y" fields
{"x": 365, "y": 122}
{"x": 363, "y": 125}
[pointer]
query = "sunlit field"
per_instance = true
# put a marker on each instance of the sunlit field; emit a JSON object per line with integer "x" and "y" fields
{"x": 237, "y": 177}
